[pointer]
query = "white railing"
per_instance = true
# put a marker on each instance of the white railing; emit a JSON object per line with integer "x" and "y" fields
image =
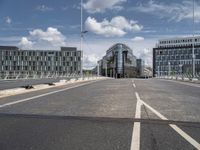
{"x": 42, "y": 75}
{"x": 183, "y": 77}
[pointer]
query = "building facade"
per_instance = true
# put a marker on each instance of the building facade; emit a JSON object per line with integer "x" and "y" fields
{"x": 15, "y": 61}
{"x": 174, "y": 56}
{"x": 119, "y": 62}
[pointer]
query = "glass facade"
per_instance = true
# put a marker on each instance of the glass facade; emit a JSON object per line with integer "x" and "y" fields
{"x": 119, "y": 62}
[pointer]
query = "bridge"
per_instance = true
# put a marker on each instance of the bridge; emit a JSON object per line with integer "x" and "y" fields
{"x": 103, "y": 114}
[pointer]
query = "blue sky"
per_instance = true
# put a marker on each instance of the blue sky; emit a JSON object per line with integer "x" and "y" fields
{"x": 49, "y": 24}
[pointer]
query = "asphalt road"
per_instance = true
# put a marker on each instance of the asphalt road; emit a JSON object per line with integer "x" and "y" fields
{"x": 104, "y": 115}
{"x": 10, "y": 84}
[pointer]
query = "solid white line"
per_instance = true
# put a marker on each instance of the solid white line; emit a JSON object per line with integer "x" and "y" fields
{"x": 176, "y": 128}
{"x": 135, "y": 141}
{"x": 42, "y": 95}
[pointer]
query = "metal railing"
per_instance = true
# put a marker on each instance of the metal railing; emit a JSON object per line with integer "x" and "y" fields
{"x": 183, "y": 77}
{"x": 42, "y": 75}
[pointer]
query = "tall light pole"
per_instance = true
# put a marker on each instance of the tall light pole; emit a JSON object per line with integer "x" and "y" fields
{"x": 81, "y": 38}
{"x": 82, "y": 34}
{"x": 193, "y": 41}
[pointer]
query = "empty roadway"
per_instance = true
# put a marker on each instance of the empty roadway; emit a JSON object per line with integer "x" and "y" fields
{"x": 101, "y": 115}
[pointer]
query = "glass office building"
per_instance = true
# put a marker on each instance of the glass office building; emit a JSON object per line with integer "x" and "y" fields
{"x": 15, "y": 61}
{"x": 119, "y": 62}
{"x": 174, "y": 56}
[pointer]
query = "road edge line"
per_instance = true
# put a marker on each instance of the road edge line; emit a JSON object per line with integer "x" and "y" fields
{"x": 45, "y": 94}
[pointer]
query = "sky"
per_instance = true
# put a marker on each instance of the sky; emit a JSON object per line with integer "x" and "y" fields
{"x": 50, "y": 24}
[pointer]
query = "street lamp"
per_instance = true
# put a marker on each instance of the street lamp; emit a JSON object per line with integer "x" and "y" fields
{"x": 82, "y": 33}
{"x": 193, "y": 41}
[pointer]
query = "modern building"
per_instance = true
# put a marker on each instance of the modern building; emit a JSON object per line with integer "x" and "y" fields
{"x": 119, "y": 62}
{"x": 141, "y": 67}
{"x": 174, "y": 56}
{"x": 18, "y": 62}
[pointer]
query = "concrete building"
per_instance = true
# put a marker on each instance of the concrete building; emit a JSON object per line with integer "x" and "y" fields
{"x": 17, "y": 62}
{"x": 119, "y": 62}
{"x": 174, "y": 56}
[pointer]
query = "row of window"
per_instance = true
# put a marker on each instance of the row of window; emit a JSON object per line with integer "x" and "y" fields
{"x": 177, "y": 51}
{"x": 39, "y": 53}
{"x": 38, "y": 62}
{"x": 179, "y": 41}
{"x": 37, "y": 58}
{"x": 34, "y": 68}
{"x": 177, "y": 57}
{"x": 172, "y": 63}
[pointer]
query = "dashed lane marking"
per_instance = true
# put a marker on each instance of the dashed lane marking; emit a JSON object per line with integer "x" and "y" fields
{"x": 134, "y": 85}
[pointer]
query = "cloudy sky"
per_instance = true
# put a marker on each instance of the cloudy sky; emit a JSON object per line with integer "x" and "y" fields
{"x": 49, "y": 24}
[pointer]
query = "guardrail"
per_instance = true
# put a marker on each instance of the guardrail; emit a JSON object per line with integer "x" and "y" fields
{"x": 42, "y": 76}
{"x": 182, "y": 77}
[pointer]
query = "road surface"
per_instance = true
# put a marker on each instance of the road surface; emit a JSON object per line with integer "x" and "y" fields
{"x": 112, "y": 114}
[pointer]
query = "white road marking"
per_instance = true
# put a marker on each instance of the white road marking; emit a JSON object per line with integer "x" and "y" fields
{"x": 175, "y": 127}
{"x": 134, "y": 85}
{"x": 135, "y": 142}
{"x": 42, "y": 95}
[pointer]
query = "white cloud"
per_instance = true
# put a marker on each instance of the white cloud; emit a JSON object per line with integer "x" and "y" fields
{"x": 137, "y": 39}
{"x": 25, "y": 43}
{"x": 8, "y": 20}
{"x": 90, "y": 61}
{"x": 173, "y": 11}
{"x": 51, "y": 35}
{"x": 96, "y": 6}
{"x": 44, "y": 8}
{"x": 52, "y": 38}
{"x": 118, "y": 26}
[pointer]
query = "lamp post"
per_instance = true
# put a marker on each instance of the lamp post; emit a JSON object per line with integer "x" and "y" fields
{"x": 82, "y": 34}
{"x": 193, "y": 41}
